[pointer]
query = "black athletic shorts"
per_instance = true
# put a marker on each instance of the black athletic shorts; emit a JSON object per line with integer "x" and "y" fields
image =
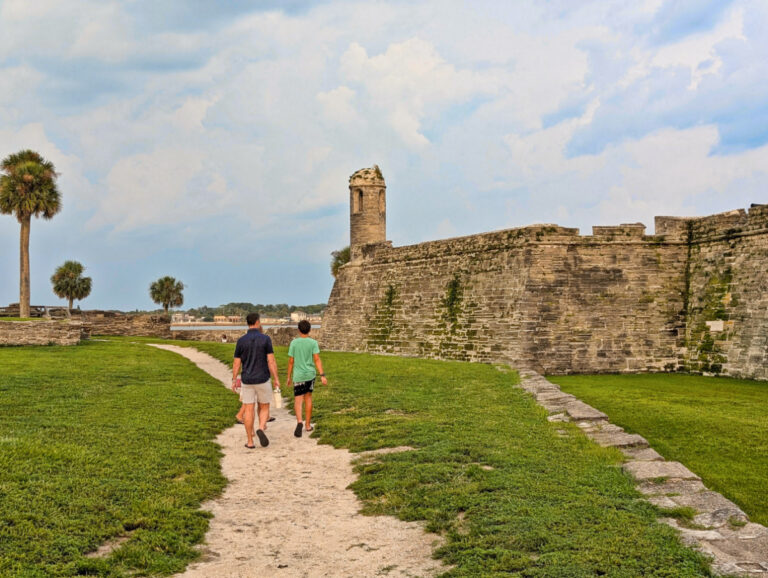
{"x": 303, "y": 387}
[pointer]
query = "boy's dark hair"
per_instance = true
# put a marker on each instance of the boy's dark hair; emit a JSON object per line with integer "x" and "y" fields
{"x": 252, "y": 319}
{"x": 304, "y": 326}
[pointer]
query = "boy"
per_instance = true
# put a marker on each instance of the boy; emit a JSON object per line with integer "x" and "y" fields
{"x": 303, "y": 357}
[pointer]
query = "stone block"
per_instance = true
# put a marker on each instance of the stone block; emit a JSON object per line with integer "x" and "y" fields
{"x": 580, "y": 411}
{"x": 618, "y": 439}
{"x": 643, "y": 454}
{"x": 651, "y": 470}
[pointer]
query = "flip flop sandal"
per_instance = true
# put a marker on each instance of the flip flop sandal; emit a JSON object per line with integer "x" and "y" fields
{"x": 272, "y": 419}
{"x": 250, "y": 447}
{"x": 297, "y": 431}
{"x": 262, "y": 438}
{"x": 309, "y": 428}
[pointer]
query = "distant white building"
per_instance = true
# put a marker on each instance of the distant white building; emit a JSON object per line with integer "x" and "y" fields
{"x": 297, "y": 316}
{"x": 182, "y": 318}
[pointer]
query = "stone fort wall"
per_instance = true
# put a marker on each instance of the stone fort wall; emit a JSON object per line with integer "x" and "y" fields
{"x": 692, "y": 297}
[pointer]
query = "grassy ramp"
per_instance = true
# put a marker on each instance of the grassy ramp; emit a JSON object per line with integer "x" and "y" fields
{"x": 716, "y": 426}
{"x": 104, "y": 441}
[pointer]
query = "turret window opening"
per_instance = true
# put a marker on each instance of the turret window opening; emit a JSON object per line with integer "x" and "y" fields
{"x": 359, "y": 201}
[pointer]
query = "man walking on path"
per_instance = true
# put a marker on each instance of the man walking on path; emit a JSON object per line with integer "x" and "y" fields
{"x": 303, "y": 357}
{"x": 254, "y": 354}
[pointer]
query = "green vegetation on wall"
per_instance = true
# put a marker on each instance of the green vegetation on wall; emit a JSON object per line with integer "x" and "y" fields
{"x": 452, "y": 304}
{"x": 380, "y": 328}
{"x": 703, "y": 353}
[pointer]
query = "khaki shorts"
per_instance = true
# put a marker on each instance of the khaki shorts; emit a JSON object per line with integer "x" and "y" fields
{"x": 258, "y": 392}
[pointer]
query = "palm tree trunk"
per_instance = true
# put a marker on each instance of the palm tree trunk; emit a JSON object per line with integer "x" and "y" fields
{"x": 24, "y": 268}
{"x": 70, "y": 303}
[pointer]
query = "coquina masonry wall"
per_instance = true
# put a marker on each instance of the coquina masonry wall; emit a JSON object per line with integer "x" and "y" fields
{"x": 40, "y": 332}
{"x": 546, "y": 298}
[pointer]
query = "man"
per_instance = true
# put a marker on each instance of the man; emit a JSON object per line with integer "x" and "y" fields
{"x": 254, "y": 354}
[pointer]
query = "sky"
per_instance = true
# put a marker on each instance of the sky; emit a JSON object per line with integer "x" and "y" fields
{"x": 213, "y": 141}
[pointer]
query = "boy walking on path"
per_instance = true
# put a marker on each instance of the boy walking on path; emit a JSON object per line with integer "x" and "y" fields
{"x": 254, "y": 354}
{"x": 303, "y": 358}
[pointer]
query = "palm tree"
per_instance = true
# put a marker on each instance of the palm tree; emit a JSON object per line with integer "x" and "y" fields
{"x": 167, "y": 292}
{"x": 339, "y": 258}
{"x": 69, "y": 283}
{"x": 27, "y": 189}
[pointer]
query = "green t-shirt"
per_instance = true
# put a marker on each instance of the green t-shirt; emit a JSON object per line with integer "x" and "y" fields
{"x": 302, "y": 349}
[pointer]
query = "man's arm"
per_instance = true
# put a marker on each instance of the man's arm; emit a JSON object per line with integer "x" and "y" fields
{"x": 319, "y": 366}
{"x": 235, "y": 371}
{"x": 273, "y": 369}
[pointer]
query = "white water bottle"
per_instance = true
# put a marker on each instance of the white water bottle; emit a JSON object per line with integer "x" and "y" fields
{"x": 277, "y": 398}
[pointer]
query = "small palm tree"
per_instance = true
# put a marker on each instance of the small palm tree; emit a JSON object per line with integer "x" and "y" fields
{"x": 339, "y": 258}
{"x": 167, "y": 292}
{"x": 69, "y": 283}
{"x": 27, "y": 189}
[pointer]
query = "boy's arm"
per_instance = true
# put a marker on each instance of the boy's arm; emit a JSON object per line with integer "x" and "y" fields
{"x": 319, "y": 365}
{"x": 235, "y": 371}
{"x": 290, "y": 372}
{"x": 273, "y": 369}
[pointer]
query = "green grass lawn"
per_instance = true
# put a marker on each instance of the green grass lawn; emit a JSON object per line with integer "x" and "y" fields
{"x": 716, "y": 426}
{"x": 490, "y": 474}
{"x": 109, "y": 438}
{"x": 104, "y": 440}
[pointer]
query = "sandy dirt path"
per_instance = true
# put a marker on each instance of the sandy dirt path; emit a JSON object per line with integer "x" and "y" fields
{"x": 287, "y": 510}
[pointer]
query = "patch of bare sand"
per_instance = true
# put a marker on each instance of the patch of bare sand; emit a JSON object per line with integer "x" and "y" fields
{"x": 287, "y": 510}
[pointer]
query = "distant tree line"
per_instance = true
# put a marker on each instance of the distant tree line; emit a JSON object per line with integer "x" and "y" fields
{"x": 276, "y": 310}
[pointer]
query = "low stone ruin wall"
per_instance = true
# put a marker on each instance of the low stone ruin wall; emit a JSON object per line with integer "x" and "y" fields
{"x": 113, "y": 323}
{"x": 41, "y": 332}
{"x": 281, "y": 336}
{"x": 220, "y": 335}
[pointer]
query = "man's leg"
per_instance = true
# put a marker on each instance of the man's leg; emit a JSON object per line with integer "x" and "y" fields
{"x": 241, "y": 414}
{"x": 263, "y": 417}
{"x": 248, "y": 417}
{"x": 308, "y": 404}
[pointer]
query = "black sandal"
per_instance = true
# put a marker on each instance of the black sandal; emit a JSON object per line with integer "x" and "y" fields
{"x": 297, "y": 431}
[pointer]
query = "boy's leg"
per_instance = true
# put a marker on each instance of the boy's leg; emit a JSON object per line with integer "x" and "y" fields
{"x": 308, "y": 404}
{"x": 298, "y": 401}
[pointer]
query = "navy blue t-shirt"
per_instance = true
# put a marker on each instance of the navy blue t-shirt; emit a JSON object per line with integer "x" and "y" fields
{"x": 252, "y": 349}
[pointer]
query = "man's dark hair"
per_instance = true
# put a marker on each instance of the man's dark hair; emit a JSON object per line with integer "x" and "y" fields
{"x": 304, "y": 326}
{"x": 252, "y": 319}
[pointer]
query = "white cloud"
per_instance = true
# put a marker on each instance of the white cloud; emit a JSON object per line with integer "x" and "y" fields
{"x": 697, "y": 52}
{"x": 164, "y": 187}
{"x": 338, "y": 106}
{"x": 410, "y": 81}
